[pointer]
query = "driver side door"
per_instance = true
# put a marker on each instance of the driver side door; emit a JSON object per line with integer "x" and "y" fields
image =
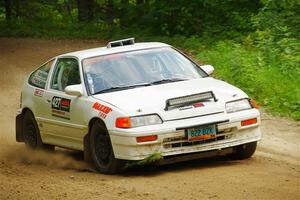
{"x": 65, "y": 119}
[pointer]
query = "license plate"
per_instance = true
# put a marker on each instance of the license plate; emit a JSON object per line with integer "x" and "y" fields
{"x": 201, "y": 133}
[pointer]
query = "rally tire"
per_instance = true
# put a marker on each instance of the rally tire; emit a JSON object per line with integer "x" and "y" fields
{"x": 101, "y": 150}
{"x": 244, "y": 151}
{"x": 31, "y": 133}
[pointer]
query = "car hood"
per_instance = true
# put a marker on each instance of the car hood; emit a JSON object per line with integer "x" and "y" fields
{"x": 152, "y": 99}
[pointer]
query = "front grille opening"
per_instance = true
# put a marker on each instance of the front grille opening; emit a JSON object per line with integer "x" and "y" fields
{"x": 182, "y": 141}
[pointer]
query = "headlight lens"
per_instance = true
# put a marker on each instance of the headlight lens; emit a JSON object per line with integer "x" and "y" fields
{"x": 145, "y": 120}
{"x": 238, "y": 105}
{"x": 137, "y": 121}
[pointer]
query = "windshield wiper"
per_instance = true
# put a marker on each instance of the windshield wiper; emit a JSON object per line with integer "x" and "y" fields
{"x": 118, "y": 88}
{"x": 167, "y": 81}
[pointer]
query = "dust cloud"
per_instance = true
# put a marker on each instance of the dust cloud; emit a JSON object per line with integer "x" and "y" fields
{"x": 57, "y": 159}
{"x": 12, "y": 152}
{"x": 12, "y": 76}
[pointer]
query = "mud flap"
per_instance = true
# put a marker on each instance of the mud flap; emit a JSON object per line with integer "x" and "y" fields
{"x": 19, "y": 128}
{"x": 87, "y": 150}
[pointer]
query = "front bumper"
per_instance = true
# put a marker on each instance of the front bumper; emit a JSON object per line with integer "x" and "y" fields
{"x": 172, "y": 140}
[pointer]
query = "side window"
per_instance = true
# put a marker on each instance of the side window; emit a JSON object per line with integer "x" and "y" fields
{"x": 66, "y": 73}
{"x": 39, "y": 77}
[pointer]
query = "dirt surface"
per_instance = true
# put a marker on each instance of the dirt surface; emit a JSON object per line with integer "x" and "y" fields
{"x": 272, "y": 173}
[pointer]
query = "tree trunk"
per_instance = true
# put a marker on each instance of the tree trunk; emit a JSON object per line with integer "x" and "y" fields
{"x": 110, "y": 11}
{"x": 85, "y": 10}
{"x": 124, "y": 12}
{"x": 7, "y": 10}
{"x": 124, "y": 2}
{"x": 140, "y": 2}
{"x": 18, "y": 14}
{"x": 68, "y": 7}
{"x": 140, "y": 9}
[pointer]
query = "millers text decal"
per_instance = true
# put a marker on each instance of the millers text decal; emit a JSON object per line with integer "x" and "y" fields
{"x": 103, "y": 110}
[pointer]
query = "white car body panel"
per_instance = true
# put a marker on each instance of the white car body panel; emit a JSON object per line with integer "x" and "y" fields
{"x": 153, "y": 99}
{"x": 69, "y": 131}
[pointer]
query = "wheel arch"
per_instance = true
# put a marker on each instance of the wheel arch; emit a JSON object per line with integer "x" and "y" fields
{"x": 27, "y": 109}
{"x": 86, "y": 139}
{"x": 93, "y": 120}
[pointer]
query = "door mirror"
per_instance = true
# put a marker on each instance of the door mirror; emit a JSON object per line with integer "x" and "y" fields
{"x": 209, "y": 69}
{"x": 74, "y": 90}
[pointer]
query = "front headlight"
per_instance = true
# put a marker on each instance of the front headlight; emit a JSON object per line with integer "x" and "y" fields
{"x": 137, "y": 121}
{"x": 145, "y": 120}
{"x": 238, "y": 105}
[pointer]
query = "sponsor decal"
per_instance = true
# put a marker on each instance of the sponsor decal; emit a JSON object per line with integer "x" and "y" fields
{"x": 38, "y": 92}
{"x": 93, "y": 61}
{"x": 196, "y": 105}
{"x": 61, "y": 107}
{"x": 103, "y": 110}
{"x": 185, "y": 107}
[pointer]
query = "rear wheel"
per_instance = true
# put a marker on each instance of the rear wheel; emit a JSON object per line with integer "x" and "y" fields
{"x": 101, "y": 150}
{"x": 244, "y": 151}
{"x": 31, "y": 133}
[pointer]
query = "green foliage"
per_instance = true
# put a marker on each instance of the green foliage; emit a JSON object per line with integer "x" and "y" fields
{"x": 174, "y": 17}
{"x": 270, "y": 77}
{"x": 153, "y": 158}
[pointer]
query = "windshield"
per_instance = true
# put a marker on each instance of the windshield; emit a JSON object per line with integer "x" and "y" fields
{"x": 138, "y": 68}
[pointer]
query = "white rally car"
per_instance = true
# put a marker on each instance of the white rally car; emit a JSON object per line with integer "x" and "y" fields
{"x": 129, "y": 102}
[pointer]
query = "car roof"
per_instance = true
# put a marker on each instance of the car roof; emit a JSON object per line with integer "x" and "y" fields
{"x": 105, "y": 50}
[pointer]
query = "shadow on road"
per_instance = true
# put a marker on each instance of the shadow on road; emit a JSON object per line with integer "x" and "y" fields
{"x": 152, "y": 170}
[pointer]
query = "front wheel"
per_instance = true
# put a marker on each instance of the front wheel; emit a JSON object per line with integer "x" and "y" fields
{"x": 101, "y": 150}
{"x": 244, "y": 151}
